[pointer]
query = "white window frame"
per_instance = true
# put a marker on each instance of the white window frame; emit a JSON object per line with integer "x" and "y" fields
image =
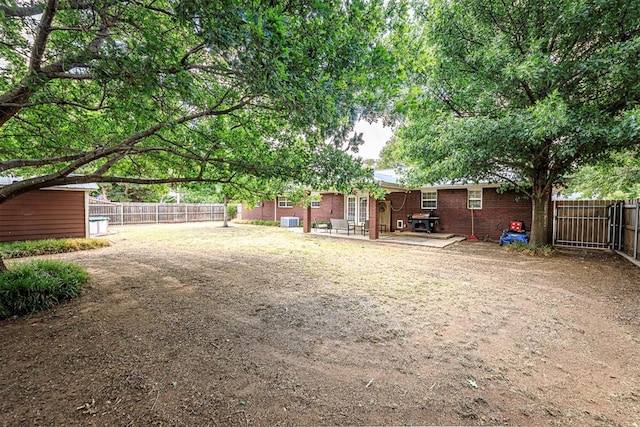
{"x": 284, "y": 203}
{"x": 363, "y": 209}
{"x": 474, "y": 198}
{"x": 350, "y": 208}
{"x": 424, "y": 200}
{"x": 315, "y": 204}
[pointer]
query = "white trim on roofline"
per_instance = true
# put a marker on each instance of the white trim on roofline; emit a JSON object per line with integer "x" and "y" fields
{"x": 7, "y": 180}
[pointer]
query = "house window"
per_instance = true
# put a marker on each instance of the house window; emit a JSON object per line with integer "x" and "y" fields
{"x": 474, "y": 199}
{"x": 284, "y": 203}
{"x": 429, "y": 200}
{"x": 315, "y": 204}
{"x": 351, "y": 208}
{"x": 364, "y": 205}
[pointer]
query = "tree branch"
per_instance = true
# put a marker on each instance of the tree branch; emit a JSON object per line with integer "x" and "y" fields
{"x": 70, "y": 76}
{"x": 44, "y": 29}
{"x": 6, "y": 165}
{"x": 183, "y": 60}
{"x": 22, "y": 12}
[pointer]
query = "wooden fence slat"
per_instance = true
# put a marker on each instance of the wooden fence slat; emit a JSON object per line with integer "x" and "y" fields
{"x": 148, "y": 213}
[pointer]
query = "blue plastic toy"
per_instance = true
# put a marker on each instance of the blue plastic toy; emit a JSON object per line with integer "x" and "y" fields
{"x": 508, "y": 237}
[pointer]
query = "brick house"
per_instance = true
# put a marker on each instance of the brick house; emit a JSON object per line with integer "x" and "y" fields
{"x": 455, "y": 205}
{"x": 331, "y": 206}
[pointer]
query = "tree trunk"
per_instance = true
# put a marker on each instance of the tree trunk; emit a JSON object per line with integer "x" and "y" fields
{"x": 224, "y": 215}
{"x": 3, "y": 267}
{"x": 541, "y": 202}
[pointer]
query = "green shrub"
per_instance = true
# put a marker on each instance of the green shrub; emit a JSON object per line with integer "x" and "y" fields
{"x": 48, "y": 246}
{"x": 321, "y": 224}
{"x": 528, "y": 249}
{"x": 38, "y": 285}
{"x": 259, "y": 222}
{"x": 232, "y": 210}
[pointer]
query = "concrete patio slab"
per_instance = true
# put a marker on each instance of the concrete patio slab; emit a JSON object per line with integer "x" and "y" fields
{"x": 433, "y": 240}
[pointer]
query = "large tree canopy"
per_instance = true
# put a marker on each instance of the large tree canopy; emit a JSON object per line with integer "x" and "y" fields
{"x": 148, "y": 91}
{"x": 521, "y": 91}
{"x": 614, "y": 178}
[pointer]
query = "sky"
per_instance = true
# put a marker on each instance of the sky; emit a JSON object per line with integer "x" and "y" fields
{"x": 375, "y": 137}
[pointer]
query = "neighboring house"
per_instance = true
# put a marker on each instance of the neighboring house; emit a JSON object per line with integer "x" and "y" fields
{"x": 455, "y": 205}
{"x": 55, "y": 212}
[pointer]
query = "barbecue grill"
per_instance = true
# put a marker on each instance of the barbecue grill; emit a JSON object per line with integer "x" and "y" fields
{"x": 422, "y": 222}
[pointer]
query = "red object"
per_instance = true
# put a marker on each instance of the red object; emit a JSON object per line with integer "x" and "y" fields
{"x": 473, "y": 236}
{"x": 516, "y": 226}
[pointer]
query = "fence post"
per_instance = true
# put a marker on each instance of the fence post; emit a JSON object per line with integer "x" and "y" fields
{"x": 621, "y": 228}
{"x": 610, "y": 234}
{"x": 635, "y": 241}
{"x": 186, "y": 213}
{"x": 555, "y": 223}
{"x": 121, "y": 214}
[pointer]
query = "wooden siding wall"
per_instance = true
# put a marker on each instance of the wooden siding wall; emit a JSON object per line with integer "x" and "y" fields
{"x": 496, "y": 213}
{"x": 43, "y": 214}
{"x": 331, "y": 206}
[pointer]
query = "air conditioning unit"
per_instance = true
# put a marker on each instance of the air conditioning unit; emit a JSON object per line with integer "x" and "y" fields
{"x": 289, "y": 221}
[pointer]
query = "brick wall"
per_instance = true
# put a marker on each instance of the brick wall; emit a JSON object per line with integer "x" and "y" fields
{"x": 403, "y": 204}
{"x": 496, "y": 213}
{"x": 331, "y": 206}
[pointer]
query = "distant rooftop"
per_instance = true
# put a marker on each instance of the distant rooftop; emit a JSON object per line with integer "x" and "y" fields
{"x": 389, "y": 176}
{"x": 393, "y": 177}
{"x": 7, "y": 180}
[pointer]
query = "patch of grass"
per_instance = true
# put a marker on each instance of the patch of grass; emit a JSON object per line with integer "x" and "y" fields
{"x": 48, "y": 246}
{"x": 38, "y": 285}
{"x": 259, "y": 222}
{"x": 531, "y": 250}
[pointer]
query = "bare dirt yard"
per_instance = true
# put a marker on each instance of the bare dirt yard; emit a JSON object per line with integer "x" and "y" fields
{"x": 200, "y": 325}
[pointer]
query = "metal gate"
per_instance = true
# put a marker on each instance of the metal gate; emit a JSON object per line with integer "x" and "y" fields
{"x": 606, "y": 224}
{"x": 582, "y": 223}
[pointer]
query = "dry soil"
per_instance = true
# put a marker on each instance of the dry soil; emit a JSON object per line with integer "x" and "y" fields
{"x": 202, "y": 325}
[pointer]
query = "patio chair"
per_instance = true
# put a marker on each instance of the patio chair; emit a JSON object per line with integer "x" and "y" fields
{"x": 365, "y": 227}
{"x": 321, "y": 226}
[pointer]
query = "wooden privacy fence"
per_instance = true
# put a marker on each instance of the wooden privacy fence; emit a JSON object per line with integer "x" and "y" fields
{"x": 155, "y": 213}
{"x": 625, "y": 227}
{"x": 606, "y": 224}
